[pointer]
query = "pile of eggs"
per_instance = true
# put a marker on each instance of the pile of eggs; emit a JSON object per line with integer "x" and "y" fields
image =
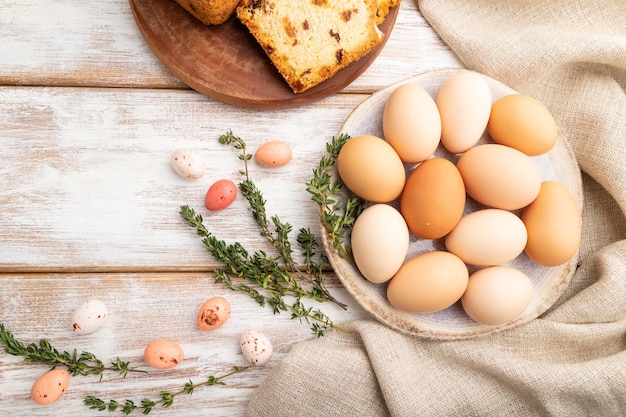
{"x": 485, "y": 204}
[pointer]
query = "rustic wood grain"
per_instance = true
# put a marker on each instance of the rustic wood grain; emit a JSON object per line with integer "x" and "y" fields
{"x": 142, "y": 308}
{"x": 89, "y": 204}
{"x": 226, "y": 63}
{"x": 91, "y": 43}
{"x": 89, "y": 184}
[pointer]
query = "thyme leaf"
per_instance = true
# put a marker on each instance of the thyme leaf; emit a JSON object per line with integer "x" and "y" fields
{"x": 82, "y": 364}
{"x": 165, "y": 400}
{"x": 267, "y": 279}
{"x": 336, "y": 215}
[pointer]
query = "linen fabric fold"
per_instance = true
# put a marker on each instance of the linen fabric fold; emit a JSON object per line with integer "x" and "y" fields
{"x": 571, "y": 361}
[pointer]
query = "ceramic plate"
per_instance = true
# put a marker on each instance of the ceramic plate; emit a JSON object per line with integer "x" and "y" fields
{"x": 452, "y": 323}
{"x": 226, "y": 63}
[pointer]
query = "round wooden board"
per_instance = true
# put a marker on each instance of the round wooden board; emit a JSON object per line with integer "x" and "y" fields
{"x": 453, "y": 323}
{"x": 226, "y": 63}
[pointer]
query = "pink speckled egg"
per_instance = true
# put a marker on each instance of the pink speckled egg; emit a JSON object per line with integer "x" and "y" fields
{"x": 220, "y": 195}
{"x": 50, "y": 387}
{"x": 213, "y": 314}
{"x": 163, "y": 354}
{"x": 273, "y": 154}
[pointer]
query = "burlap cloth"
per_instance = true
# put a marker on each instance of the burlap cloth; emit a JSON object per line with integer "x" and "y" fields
{"x": 571, "y": 55}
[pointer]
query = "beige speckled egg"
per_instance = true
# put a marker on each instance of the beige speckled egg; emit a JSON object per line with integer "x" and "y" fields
{"x": 50, "y": 387}
{"x": 411, "y": 123}
{"x": 433, "y": 198}
{"x": 163, "y": 354}
{"x": 488, "y": 237}
{"x": 429, "y": 282}
{"x": 554, "y": 224}
{"x": 498, "y": 176}
{"x": 256, "y": 347}
{"x": 497, "y": 295}
{"x": 213, "y": 314}
{"x": 464, "y": 102}
{"x": 380, "y": 241}
{"x": 273, "y": 154}
{"x": 523, "y": 123}
{"x": 88, "y": 317}
{"x": 371, "y": 169}
{"x": 188, "y": 163}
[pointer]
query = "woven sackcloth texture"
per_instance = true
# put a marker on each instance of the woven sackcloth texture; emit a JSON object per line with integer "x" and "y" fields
{"x": 571, "y": 361}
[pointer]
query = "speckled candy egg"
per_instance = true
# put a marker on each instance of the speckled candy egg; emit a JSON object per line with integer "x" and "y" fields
{"x": 50, "y": 387}
{"x": 213, "y": 314}
{"x": 163, "y": 354}
{"x": 220, "y": 195}
{"x": 256, "y": 347}
{"x": 273, "y": 154}
{"x": 89, "y": 316}
{"x": 188, "y": 163}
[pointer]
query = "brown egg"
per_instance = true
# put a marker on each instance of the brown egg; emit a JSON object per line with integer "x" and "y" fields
{"x": 498, "y": 176}
{"x": 428, "y": 282}
{"x": 163, "y": 354}
{"x": 523, "y": 123}
{"x": 49, "y": 387}
{"x": 497, "y": 295}
{"x": 554, "y": 225}
{"x": 433, "y": 198}
{"x": 371, "y": 169}
{"x": 213, "y": 314}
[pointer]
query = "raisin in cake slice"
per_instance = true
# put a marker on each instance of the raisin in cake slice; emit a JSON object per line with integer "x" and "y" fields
{"x": 308, "y": 41}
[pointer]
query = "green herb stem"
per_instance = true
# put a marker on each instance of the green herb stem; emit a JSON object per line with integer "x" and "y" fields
{"x": 83, "y": 364}
{"x": 336, "y": 215}
{"x": 166, "y": 398}
{"x": 268, "y": 279}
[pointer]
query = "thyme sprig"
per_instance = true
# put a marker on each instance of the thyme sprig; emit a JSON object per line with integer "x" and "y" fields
{"x": 88, "y": 364}
{"x": 265, "y": 278}
{"x": 82, "y": 364}
{"x": 336, "y": 215}
{"x": 166, "y": 397}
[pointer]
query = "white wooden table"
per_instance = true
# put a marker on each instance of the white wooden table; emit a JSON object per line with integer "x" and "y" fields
{"x": 89, "y": 204}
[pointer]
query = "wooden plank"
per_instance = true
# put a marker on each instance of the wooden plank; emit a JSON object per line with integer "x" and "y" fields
{"x": 87, "y": 183}
{"x": 142, "y": 307}
{"x": 96, "y": 43}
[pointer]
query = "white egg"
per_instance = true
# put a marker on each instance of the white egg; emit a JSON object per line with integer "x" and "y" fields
{"x": 380, "y": 241}
{"x": 464, "y": 104}
{"x": 188, "y": 163}
{"x": 256, "y": 347}
{"x": 89, "y": 316}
